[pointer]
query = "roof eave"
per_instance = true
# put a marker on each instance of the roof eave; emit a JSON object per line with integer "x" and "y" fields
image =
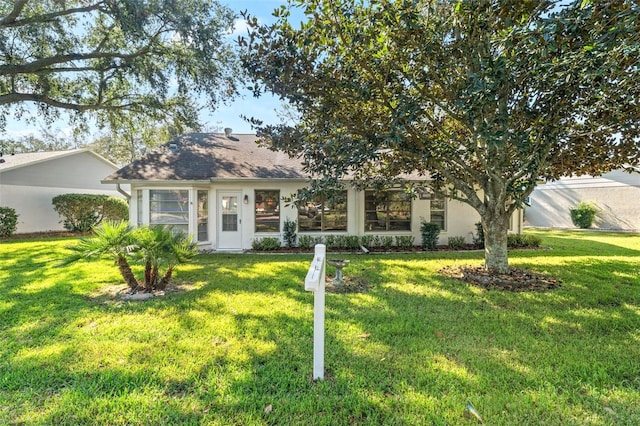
{"x": 197, "y": 182}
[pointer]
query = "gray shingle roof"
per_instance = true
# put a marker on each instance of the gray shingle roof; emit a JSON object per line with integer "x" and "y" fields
{"x": 205, "y": 156}
{"x": 15, "y": 161}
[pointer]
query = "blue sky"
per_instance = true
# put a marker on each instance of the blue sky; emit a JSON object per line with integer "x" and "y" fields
{"x": 263, "y": 108}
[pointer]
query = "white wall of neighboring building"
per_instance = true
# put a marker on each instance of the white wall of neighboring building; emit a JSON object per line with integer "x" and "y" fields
{"x": 34, "y": 208}
{"x": 29, "y": 189}
{"x": 617, "y": 195}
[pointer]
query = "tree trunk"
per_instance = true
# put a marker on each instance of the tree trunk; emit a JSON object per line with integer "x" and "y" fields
{"x": 164, "y": 282}
{"x": 155, "y": 277}
{"x": 127, "y": 273}
{"x": 496, "y": 228}
{"x": 147, "y": 275}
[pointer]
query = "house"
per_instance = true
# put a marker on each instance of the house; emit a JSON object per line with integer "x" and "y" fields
{"x": 617, "y": 195}
{"x": 226, "y": 191}
{"x": 28, "y": 183}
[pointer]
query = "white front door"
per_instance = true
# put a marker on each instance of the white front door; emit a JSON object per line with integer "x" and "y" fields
{"x": 229, "y": 221}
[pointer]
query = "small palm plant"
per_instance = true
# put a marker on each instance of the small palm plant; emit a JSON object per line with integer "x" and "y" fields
{"x": 112, "y": 239}
{"x": 153, "y": 242}
{"x": 181, "y": 250}
{"x": 154, "y": 246}
{"x": 160, "y": 246}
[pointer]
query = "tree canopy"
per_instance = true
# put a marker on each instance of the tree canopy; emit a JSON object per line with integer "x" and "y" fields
{"x": 46, "y": 142}
{"x": 481, "y": 97}
{"x": 106, "y": 58}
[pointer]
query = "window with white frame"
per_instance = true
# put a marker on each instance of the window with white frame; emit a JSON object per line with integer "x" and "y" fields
{"x": 139, "y": 208}
{"x": 203, "y": 215}
{"x": 267, "y": 210}
{"x": 169, "y": 207}
{"x": 387, "y": 211}
{"x": 438, "y": 211}
{"x": 322, "y": 215}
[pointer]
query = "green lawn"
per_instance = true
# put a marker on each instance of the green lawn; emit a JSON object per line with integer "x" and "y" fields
{"x": 237, "y": 348}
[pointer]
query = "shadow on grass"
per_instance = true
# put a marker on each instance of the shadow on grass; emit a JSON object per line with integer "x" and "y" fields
{"x": 412, "y": 350}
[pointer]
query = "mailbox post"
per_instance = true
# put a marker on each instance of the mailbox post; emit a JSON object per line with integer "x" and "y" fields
{"x": 315, "y": 282}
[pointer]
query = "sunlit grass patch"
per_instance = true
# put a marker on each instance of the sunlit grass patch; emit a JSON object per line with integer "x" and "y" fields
{"x": 237, "y": 339}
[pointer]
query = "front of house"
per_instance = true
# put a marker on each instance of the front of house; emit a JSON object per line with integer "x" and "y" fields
{"x": 227, "y": 191}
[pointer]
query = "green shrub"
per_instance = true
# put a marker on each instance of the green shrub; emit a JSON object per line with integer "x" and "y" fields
{"x": 8, "y": 221}
{"x": 404, "y": 241}
{"x": 352, "y": 242}
{"x": 457, "y": 243}
{"x": 307, "y": 242}
{"x": 348, "y": 242}
{"x": 478, "y": 237}
{"x": 386, "y": 241}
{"x": 370, "y": 241}
{"x": 80, "y": 212}
{"x": 367, "y": 240}
{"x": 289, "y": 233}
{"x": 266, "y": 244}
{"x": 330, "y": 241}
{"x": 343, "y": 242}
{"x": 583, "y": 214}
{"x": 430, "y": 233}
{"x": 523, "y": 241}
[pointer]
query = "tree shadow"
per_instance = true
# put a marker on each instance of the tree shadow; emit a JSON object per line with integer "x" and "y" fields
{"x": 411, "y": 350}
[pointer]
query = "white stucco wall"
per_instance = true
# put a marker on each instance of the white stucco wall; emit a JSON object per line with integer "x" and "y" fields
{"x": 617, "y": 195}
{"x": 30, "y": 189}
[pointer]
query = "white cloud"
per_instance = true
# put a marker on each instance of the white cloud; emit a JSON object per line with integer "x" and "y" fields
{"x": 240, "y": 27}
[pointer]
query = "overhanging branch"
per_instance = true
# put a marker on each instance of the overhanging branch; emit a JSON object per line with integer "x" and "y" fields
{"x": 12, "y": 98}
{"x": 43, "y": 64}
{"x": 10, "y": 20}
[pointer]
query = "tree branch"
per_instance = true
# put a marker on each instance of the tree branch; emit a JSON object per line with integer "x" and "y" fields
{"x": 10, "y": 21}
{"x": 11, "y": 98}
{"x": 17, "y": 9}
{"x": 42, "y": 64}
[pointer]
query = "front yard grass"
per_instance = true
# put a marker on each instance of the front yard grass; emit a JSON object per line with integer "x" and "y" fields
{"x": 236, "y": 349}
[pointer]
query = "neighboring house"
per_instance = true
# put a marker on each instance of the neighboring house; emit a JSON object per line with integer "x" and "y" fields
{"x": 28, "y": 183}
{"x": 227, "y": 191}
{"x": 617, "y": 195}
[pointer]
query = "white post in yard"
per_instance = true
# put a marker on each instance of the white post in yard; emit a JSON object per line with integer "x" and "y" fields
{"x": 314, "y": 281}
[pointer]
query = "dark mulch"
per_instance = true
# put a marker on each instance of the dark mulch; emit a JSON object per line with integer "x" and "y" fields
{"x": 515, "y": 280}
{"x": 412, "y": 249}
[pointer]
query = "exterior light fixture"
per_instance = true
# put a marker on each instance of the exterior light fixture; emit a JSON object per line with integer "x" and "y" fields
{"x": 246, "y": 199}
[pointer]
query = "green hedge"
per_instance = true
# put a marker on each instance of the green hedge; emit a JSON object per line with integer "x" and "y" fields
{"x": 8, "y": 221}
{"x": 266, "y": 244}
{"x": 523, "y": 241}
{"x": 80, "y": 212}
{"x": 583, "y": 214}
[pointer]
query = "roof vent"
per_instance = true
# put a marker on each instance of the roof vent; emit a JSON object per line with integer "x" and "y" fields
{"x": 173, "y": 147}
{"x": 228, "y": 131}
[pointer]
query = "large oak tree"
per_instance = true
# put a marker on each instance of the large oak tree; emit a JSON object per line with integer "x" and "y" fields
{"x": 482, "y": 97}
{"x": 145, "y": 60}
